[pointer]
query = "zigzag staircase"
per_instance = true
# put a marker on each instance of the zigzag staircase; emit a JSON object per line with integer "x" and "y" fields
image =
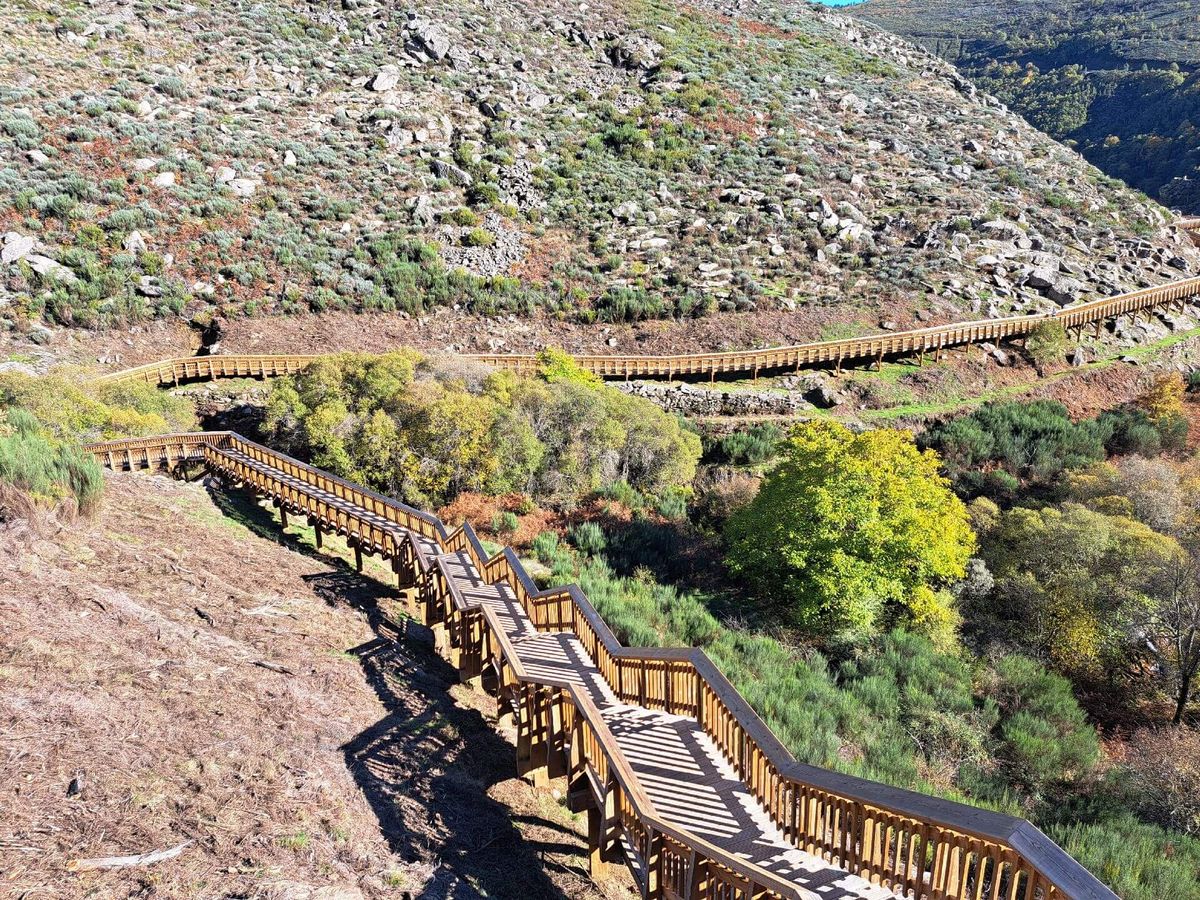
{"x": 678, "y": 776}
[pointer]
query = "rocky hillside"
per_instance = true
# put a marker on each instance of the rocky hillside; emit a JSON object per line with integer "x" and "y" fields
{"x": 616, "y": 161}
{"x": 1118, "y": 79}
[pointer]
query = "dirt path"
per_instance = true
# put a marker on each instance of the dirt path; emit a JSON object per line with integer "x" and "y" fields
{"x": 369, "y": 772}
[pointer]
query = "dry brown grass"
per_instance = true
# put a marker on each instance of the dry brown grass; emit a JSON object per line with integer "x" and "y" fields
{"x": 370, "y": 772}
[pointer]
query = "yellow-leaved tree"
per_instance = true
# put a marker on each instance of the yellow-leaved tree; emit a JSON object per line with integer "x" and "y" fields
{"x": 855, "y": 532}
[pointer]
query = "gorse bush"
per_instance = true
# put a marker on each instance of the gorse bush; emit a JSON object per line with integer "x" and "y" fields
{"x": 751, "y": 446}
{"x": 589, "y": 538}
{"x": 46, "y": 469}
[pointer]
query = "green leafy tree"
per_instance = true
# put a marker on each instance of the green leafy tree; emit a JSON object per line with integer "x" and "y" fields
{"x": 850, "y": 530}
{"x": 1068, "y": 582}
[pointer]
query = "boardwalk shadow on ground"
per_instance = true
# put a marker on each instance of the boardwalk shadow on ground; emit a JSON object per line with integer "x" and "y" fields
{"x": 426, "y": 768}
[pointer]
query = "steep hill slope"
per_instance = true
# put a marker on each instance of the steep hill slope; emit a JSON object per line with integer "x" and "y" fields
{"x": 1117, "y": 77}
{"x": 619, "y": 161}
{"x": 130, "y": 723}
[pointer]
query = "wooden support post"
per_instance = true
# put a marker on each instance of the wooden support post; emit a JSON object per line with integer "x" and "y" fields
{"x": 318, "y": 536}
{"x": 597, "y": 867}
{"x": 283, "y": 522}
{"x": 652, "y": 888}
{"x": 358, "y": 560}
{"x": 610, "y": 826}
{"x": 879, "y": 362}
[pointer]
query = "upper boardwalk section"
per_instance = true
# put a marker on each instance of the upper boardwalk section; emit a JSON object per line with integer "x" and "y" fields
{"x": 678, "y": 775}
{"x": 873, "y": 348}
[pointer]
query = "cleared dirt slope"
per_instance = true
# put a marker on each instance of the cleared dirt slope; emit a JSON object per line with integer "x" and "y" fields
{"x": 366, "y": 772}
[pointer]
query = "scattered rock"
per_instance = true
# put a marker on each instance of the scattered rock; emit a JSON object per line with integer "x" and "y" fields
{"x": 450, "y": 172}
{"x": 427, "y": 42}
{"x": 385, "y": 79}
{"x": 164, "y": 179}
{"x": 134, "y": 242}
{"x": 16, "y": 246}
{"x": 50, "y": 269}
{"x": 243, "y": 187}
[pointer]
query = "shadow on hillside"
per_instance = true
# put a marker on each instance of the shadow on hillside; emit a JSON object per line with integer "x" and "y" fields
{"x": 426, "y": 768}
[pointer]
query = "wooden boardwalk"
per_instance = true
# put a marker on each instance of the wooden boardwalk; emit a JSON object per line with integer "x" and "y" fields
{"x": 680, "y": 779}
{"x": 872, "y": 349}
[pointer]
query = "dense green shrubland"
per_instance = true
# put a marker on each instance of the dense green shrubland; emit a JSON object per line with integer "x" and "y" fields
{"x": 1000, "y": 447}
{"x": 425, "y": 430}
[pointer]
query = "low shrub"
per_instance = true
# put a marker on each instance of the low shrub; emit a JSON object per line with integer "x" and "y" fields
{"x": 48, "y": 470}
{"x": 588, "y": 538}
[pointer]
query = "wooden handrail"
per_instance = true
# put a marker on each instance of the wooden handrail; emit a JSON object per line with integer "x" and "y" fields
{"x": 918, "y": 845}
{"x": 933, "y": 339}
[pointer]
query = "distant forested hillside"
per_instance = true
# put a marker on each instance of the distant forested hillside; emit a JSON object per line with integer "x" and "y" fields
{"x": 1119, "y": 78}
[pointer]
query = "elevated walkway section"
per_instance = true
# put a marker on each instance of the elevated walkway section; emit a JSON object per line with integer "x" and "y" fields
{"x": 678, "y": 776}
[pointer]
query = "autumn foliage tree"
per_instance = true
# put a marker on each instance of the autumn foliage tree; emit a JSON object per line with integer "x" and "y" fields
{"x": 854, "y": 532}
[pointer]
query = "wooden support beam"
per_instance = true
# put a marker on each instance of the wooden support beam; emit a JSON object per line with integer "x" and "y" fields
{"x": 318, "y": 536}
{"x": 358, "y": 560}
{"x": 283, "y": 520}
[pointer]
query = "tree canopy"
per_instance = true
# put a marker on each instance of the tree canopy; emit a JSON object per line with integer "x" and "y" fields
{"x": 424, "y": 429}
{"x": 852, "y": 531}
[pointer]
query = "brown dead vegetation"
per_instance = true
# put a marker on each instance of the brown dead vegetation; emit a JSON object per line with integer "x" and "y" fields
{"x": 135, "y": 716}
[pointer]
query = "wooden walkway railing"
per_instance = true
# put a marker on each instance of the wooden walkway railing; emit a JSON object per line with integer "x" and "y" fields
{"x": 494, "y": 624}
{"x": 750, "y": 362}
{"x": 1192, "y": 226}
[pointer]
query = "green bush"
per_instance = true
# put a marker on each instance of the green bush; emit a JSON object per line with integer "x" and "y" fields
{"x": 478, "y": 237}
{"x": 49, "y": 470}
{"x": 1131, "y": 430}
{"x": 751, "y": 446}
{"x": 589, "y": 538}
{"x": 1044, "y": 737}
{"x": 1034, "y": 440}
{"x": 505, "y": 523}
{"x": 1047, "y": 343}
